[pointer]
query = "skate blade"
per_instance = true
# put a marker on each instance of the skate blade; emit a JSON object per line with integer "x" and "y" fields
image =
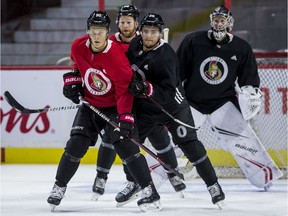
{"x": 52, "y": 207}
{"x": 220, "y": 204}
{"x": 181, "y": 194}
{"x": 135, "y": 196}
{"x": 148, "y": 207}
{"x": 95, "y": 196}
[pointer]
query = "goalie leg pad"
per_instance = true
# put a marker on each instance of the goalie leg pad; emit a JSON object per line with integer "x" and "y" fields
{"x": 235, "y": 135}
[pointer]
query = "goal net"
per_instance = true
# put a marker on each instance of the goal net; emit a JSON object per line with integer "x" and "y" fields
{"x": 270, "y": 124}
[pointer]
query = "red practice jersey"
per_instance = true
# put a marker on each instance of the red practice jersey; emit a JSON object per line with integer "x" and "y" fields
{"x": 116, "y": 38}
{"x": 106, "y": 75}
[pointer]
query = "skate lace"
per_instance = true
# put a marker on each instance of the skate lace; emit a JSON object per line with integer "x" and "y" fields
{"x": 130, "y": 186}
{"x": 176, "y": 180}
{"x": 100, "y": 183}
{"x": 58, "y": 192}
{"x": 214, "y": 190}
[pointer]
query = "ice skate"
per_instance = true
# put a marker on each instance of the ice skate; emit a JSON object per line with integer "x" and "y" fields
{"x": 128, "y": 194}
{"x": 217, "y": 195}
{"x": 98, "y": 188}
{"x": 55, "y": 197}
{"x": 150, "y": 200}
{"x": 178, "y": 185}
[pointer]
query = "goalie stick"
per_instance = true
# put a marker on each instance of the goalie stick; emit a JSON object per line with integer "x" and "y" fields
{"x": 19, "y": 108}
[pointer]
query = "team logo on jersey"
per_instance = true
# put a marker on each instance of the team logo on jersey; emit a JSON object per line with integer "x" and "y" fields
{"x": 97, "y": 82}
{"x": 214, "y": 70}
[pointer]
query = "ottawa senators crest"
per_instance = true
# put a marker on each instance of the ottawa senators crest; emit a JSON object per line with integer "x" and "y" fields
{"x": 214, "y": 70}
{"x": 97, "y": 82}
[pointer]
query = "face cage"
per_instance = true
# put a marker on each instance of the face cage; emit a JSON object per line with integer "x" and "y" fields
{"x": 220, "y": 33}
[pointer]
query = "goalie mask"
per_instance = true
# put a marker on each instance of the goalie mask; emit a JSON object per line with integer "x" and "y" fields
{"x": 221, "y": 22}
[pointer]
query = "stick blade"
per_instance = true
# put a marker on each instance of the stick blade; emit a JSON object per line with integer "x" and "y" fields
{"x": 13, "y": 103}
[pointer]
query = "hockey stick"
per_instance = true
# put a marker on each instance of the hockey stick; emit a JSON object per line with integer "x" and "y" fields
{"x": 147, "y": 150}
{"x": 166, "y": 34}
{"x": 19, "y": 108}
{"x": 171, "y": 116}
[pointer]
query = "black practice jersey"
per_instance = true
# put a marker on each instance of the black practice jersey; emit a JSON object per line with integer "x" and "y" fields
{"x": 160, "y": 67}
{"x": 209, "y": 70}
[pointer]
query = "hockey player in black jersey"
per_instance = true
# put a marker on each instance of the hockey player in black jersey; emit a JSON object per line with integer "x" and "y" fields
{"x": 211, "y": 63}
{"x": 157, "y": 69}
{"x": 127, "y": 23}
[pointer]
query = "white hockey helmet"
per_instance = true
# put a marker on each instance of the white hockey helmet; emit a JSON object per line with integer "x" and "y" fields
{"x": 219, "y": 32}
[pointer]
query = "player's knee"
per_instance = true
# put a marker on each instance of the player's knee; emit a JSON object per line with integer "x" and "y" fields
{"x": 159, "y": 138}
{"x": 131, "y": 158}
{"x": 77, "y": 146}
{"x": 126, "y": 149}
{"x": 163, "y": 149}
{"x": 194, "y": 151}
{"x": 107, "y": 145}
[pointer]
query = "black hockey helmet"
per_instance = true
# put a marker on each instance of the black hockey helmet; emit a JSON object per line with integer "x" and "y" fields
{"x": 152, "y": 19}
{"x": 98, "y": 18}
{"x": 128, "y": 10}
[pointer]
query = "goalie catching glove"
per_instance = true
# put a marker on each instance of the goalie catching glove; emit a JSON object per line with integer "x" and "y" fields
{"x": 249, "y": 101}
{"x": 141, "y": 88}
{"x": 126, "y": 125}
{"x": 73, "y": 86}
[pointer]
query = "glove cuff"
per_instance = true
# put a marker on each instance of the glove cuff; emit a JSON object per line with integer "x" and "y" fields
{"x": 72, "y": 78}
{"x": 127, "y": 117}
{"x": 150, "y": 89}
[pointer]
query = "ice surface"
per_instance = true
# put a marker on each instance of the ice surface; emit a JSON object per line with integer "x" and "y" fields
{"x": 25, "y": 188}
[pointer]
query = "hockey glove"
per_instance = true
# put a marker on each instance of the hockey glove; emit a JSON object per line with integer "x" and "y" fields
{"x": 249, "y": 101}
{"x": 141, "y": 88}
{"x": 126, "y": 125}
{"x": 73, "y": 86}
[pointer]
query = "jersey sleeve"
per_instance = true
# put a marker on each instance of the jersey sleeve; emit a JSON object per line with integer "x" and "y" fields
{"x": 122, "y": 76}
{"x": 185, "y": 54}
{"x": 248, "y": 71}
{"x": 166, "y": 73}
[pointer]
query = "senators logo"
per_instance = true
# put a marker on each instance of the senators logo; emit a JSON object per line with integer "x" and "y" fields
{"x": 97, "y": 82}
{"x": 214, "y": 70}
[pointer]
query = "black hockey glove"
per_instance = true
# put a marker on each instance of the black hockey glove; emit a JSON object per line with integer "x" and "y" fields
{"x": 141, "y": 88}
{"x": 126, "y": 125}
{"x": 73, "y": 86}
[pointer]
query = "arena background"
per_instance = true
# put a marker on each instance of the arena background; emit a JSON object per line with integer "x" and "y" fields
{"x": 35, "y": 45}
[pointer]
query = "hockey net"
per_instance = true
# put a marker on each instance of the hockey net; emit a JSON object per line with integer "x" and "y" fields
{"x": 270, "y": 124}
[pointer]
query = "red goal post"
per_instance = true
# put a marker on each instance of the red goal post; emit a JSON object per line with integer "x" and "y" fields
{"x": 270, "y": 124}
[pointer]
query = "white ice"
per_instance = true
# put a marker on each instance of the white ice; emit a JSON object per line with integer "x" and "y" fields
{"x": 25, "y": 188}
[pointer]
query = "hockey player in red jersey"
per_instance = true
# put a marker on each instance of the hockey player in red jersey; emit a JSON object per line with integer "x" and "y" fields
{"x": 212, "y": 63}
{"x": 157, "y": 69}
{"x": 127, "y": 22}
{"x": 101, "y": 75}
